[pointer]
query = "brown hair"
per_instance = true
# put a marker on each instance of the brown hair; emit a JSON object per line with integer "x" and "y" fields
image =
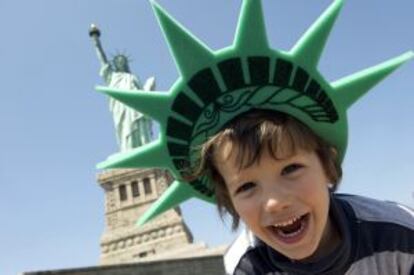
{"x": 253, "y": 132}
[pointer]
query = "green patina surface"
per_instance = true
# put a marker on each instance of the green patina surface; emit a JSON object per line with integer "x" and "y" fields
{"x": 216, "y": 86}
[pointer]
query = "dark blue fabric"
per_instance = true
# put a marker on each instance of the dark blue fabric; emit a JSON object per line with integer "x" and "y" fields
{"x": 360, "y": 239}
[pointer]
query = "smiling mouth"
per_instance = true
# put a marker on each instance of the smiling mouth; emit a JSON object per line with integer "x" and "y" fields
{"x": 291, "y": 231}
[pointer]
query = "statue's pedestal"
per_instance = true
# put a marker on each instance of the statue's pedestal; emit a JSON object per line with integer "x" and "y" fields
{"x": 128, "y": 193}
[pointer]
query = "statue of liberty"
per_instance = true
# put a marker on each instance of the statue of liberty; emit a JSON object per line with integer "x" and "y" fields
{"x": 133, "y": 129}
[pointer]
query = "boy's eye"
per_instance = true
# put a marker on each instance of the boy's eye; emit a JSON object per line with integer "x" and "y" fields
{"x": 291, "y": 168}
{"x": 245, "y": 187}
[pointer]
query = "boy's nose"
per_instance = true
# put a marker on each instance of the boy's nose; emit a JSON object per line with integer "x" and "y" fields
{"x": 275, "y": 201}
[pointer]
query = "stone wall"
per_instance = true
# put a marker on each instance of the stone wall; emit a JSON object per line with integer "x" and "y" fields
{"x": 126, "y": 199}
{"x": 211, "y": 265}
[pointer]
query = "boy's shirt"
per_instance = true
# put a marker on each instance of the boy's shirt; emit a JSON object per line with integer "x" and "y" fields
{"x": 377, "y": 238}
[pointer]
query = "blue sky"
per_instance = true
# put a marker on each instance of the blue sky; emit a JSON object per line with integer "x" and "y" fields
{"x": 55, "y": 127}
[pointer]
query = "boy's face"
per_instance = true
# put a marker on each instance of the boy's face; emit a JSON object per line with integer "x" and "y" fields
{"x": 283, "y": 202}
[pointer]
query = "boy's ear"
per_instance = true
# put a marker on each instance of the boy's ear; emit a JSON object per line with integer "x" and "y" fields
{"x": 334, "y": 169}
{"x": 334, "y": 152}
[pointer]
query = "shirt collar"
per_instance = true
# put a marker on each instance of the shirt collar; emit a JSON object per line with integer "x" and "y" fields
{"x": 333, "y": 263}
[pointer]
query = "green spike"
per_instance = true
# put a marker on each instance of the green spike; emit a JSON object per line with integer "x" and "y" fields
{"x": 349, "y": 89}
{"x": 308, "y": 49}
{"x": 149, "y": 103}
{"x": 154, "y": 154}
{"x": 251, "y": 30}
{"x": 176, "y": 193}
{"x": 190, "y": 54}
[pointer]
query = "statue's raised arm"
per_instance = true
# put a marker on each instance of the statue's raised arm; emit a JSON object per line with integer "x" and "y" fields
{"x": 95, "y": 34}
{"x": 106, "y": 68}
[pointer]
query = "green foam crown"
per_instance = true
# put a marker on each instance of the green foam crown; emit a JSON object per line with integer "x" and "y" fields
{"x": 216, "y": 86}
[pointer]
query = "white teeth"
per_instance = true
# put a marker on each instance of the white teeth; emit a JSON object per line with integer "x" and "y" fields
{"x": 286, "y": 223}
{"x": 293, "y": 234}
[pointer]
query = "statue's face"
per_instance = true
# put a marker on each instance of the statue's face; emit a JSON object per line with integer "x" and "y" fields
{"x": 120, "y": 63}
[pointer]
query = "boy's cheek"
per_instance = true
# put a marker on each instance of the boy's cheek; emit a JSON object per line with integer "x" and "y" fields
{"x": 243, "y": 208}
{"x": 248, "y": 211}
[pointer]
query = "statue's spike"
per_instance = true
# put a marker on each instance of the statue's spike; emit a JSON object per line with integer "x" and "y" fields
{"x": 149, "y": 103}
{"x": 348, "y": 89}
{"x": 189, "y": 53}
{"x": 176, "y": 193}
{"x": 251, "y": 30}
{"x": 308, "y": 49}
{"x": 153, "y": 154}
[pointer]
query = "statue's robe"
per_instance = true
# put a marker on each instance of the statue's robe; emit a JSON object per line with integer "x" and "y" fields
{"x": 133, "y": 129}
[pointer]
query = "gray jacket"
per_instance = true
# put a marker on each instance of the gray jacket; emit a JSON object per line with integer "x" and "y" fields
{"x": 378, "y": 238}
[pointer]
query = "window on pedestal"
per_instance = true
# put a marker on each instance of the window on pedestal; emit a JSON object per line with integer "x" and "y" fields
{"x": 143, "y": 254}
{"x": 123, "y": 193}
{"x": 147, "y": 186}
{"x": 135, "y": 189}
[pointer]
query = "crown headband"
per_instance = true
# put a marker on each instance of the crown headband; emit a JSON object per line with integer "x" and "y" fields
{"x": 216, "y": 86}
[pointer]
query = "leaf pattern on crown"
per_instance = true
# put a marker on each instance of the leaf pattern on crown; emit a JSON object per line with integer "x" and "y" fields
{"x": 247, "y": 97}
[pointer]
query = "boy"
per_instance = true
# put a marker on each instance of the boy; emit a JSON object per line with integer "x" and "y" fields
{"x": 276, "y": 175}
{"x": 269, "y": 134}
